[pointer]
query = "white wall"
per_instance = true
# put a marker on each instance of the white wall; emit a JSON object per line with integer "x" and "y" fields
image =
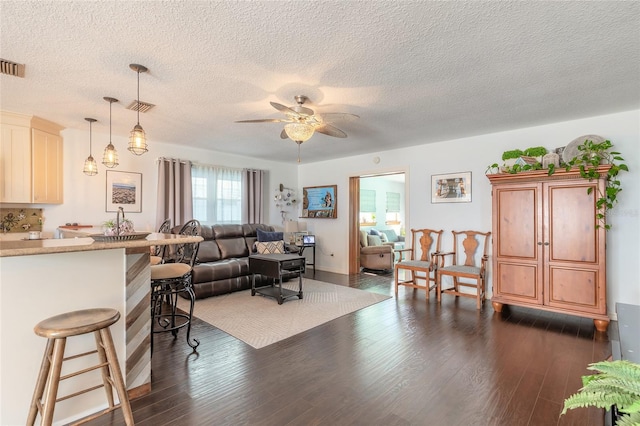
{"x": 475, "y": 154}
{"x": 84, "y": 196}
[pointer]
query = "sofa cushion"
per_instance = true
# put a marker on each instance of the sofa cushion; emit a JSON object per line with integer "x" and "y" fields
{"x": 264, "y": 236}
{"x": 391, "y": 235}
{"x": 208, "y": 251}
{"x": 374, "y": 240}
{"x": 270, "y": 247}
{"x": 364, "y": 241}
{"x": 221, "y": 270}
{"x": 232, "y": 247}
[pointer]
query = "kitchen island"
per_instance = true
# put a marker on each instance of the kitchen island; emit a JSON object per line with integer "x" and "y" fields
{"x": 42, "y": 278}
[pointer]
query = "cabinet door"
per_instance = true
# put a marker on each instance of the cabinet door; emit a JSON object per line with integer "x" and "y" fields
{"x": 47, "y": 167}
{"x": 575, "y": 258}
{"x": 518, "y": 274}
{"x": 15, "y": 164}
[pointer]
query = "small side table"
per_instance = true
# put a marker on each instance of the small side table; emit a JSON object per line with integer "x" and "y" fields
{"x": 274, "y": 266}
{"x": 301, "y": 253}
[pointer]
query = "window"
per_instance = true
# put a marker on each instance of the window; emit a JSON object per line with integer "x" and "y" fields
{"x": 367, "y": 207}
{"x": 393, "y": 208}
{"x": 217, "y": 194}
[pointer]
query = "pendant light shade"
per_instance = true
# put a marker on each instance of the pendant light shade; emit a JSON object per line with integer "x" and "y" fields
{"x": 110, "y": 156}
{"x": 90, "y": 166}
{"x": 137, "y": 137}
{"x": 299, "y": 132}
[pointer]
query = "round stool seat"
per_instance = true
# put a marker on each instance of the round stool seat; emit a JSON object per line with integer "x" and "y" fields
{"x": 169, "y": 270}
{"x": 76, "y": 323}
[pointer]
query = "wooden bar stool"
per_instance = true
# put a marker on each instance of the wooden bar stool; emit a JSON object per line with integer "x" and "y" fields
{"x": 56, "y": 329}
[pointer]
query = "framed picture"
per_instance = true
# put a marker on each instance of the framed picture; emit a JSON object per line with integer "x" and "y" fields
{"x": 124, "y": 189}
{"x": 320, "y": 202}
{"x": 451, "y": 188}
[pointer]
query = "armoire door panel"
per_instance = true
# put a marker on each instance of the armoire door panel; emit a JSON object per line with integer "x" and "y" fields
{"x": 573, "y": 288}
{"x": 521, "y": 281}
{"x": 571, "y": 231}
{"x": 518, "y": 223}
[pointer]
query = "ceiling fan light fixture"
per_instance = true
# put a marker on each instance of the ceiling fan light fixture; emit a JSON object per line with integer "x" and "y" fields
{"x": 90, "y": 166}
{"x": 110, "y": 155}
{"x": 137, "y": 137}
{"x": 299, "y": 132}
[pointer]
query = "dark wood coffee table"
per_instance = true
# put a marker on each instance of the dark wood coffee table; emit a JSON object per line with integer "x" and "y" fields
{"x": 274, "y": 266}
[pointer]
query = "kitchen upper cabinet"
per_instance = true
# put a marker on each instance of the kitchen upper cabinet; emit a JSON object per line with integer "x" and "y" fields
{"x": 31, "y": 160}
{"x": 548, "y": 251}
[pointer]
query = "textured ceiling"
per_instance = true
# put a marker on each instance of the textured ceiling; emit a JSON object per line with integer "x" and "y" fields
{"x": 414, "y": 71}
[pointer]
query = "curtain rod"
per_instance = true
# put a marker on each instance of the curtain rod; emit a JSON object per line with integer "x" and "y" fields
{"x": 205, "y": 165}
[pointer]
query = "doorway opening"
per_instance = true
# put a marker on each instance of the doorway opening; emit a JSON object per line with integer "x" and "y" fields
{"x": 377, "y": 202}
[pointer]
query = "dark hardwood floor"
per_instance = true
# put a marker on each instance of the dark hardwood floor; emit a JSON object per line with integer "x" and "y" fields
{"x": 403, "y": 361}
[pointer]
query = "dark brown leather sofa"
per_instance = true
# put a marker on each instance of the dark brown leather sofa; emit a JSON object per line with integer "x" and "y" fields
{"x": 222, "y": 265}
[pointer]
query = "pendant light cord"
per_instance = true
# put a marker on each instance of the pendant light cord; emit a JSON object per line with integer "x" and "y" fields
{"x": 138, "y": 106}
{"x": 90, "y": 139}
{"x": 110, "y": 103}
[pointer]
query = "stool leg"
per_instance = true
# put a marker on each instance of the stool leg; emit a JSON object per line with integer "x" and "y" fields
{"x": 192, "y": 300}
{"x": 54, "y": 380}
{"x": 104, "y": 370}
{"x": 40, "y": 383}
{"x": 112, "y": 357}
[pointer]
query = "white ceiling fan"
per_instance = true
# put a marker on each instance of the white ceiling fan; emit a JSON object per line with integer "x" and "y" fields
{"x": 302, "y": 122}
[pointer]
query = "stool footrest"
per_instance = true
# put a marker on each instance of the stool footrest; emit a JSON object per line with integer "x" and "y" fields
{"x": 85, "y": 370}
{"x": 80, "y": 392}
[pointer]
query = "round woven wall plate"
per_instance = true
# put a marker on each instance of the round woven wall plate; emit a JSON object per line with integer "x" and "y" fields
{"x": 571, "y": 150}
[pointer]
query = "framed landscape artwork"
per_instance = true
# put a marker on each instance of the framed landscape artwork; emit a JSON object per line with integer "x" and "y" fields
{"x": 451, "y": 188}
{"x": 124, "y": 189}
{"x": 320, "y": 202}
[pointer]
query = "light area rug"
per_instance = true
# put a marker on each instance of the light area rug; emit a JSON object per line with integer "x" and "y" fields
{"x": 259, "y": 321}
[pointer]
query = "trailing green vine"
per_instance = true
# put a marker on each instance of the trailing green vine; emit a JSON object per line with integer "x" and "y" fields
{"x": 591, "y": 156}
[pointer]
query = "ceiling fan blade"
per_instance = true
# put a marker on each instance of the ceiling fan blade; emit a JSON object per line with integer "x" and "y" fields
{"x": 283, "y": 134}
{"x": 264, "y": 120}
{"x": 333, "y": 116}
{"x": 284, "y": 109}
{"x": 329, "y": 130}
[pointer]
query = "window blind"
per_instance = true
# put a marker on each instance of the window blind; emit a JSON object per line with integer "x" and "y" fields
{"x": 393, "y": 202}
{"x": 368, "y": 200}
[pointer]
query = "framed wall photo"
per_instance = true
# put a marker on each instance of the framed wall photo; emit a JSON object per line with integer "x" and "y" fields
{"x": 320, "y": 202}
{"x": 124, "y": 189}
{"x": 451, "y": 188}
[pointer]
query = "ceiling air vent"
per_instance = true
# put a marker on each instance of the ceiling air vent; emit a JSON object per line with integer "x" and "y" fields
{"x": 138, "y": 105}
{"x": 11, "y": 68}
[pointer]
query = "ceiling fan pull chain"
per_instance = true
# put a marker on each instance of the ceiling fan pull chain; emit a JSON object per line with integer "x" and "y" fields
{"x": 299, "y": 151}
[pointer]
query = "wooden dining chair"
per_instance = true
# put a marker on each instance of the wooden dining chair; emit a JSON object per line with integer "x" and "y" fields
{"x": 420, "y": 265}
{"x": 467, "y": 267}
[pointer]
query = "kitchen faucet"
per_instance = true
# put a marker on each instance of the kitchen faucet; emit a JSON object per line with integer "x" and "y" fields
{"x": 120, "y": 209}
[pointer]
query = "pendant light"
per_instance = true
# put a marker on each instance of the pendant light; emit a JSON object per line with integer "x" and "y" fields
{"x": 137, "y": 138}
{"x": 299, "y": 133}
{"x": 110, "y": 156}
{"x": 90, "y": 166}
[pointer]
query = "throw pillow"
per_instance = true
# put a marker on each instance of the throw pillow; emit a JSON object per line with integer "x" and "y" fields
{"x": 383, "y": 237}
{"x": 270, "y": 247}
{"x": 269, "y": 236}
{"x": 374, "y": 240}
{"x": 374, "y": 231}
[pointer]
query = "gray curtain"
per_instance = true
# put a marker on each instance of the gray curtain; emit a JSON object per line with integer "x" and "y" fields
{"x": 252, "y": 199}
{"x": 175, "y": 199}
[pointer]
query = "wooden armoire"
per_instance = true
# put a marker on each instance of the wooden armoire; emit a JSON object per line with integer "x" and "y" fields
{"x": 548, "y": 250}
